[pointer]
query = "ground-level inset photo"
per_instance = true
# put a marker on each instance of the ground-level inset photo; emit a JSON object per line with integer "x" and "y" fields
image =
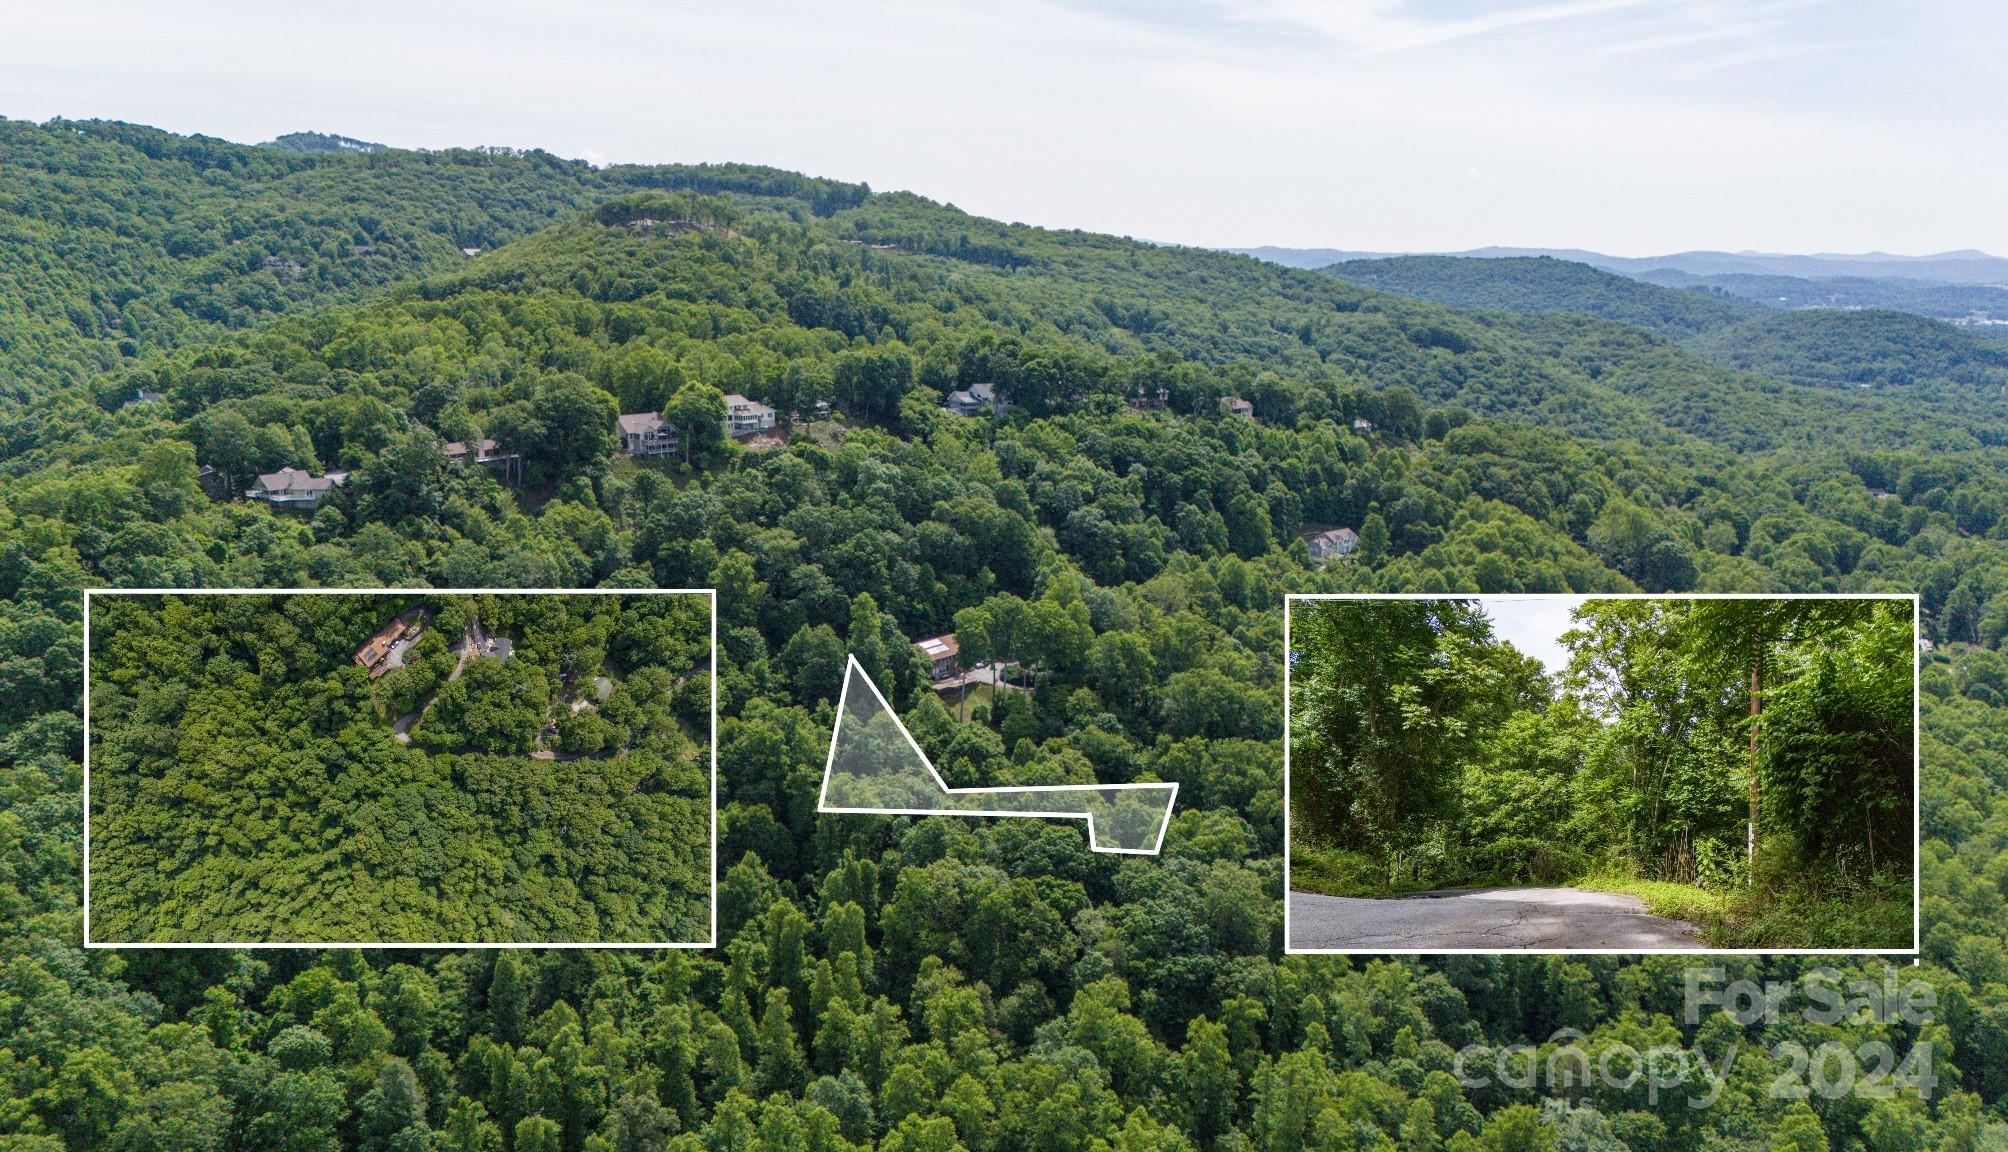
{"x": 420, "y": 768}
{"x": 1613, "y": 773}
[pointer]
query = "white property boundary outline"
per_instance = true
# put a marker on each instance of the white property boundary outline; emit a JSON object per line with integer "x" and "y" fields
{"x": 829, "y": 766}
{"x": 1916, "y": 774}
{"x": 311, "y": 945}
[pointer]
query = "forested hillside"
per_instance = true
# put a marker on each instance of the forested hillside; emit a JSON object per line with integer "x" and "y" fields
{"x": 118, "y": 240}
{"x": 906, "y": 984}
{"x": 1539, "y": 284}
{"x": 1892, "y": 352}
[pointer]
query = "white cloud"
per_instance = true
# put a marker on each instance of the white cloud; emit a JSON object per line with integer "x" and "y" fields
{"x": 1534, "y": 625}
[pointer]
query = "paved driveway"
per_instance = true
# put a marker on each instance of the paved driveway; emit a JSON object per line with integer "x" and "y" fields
{"x": 1485, "y": 918}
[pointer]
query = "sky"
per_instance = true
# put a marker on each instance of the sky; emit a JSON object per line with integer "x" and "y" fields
{"x": 1533, "y": 625}
{"x": 1634, "y": 127}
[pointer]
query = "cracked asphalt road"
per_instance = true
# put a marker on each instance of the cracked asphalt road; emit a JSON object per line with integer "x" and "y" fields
{"x": 1488, "y": 918}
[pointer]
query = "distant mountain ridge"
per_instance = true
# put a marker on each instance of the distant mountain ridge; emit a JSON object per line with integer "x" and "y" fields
{"x": 1965, "y": 266}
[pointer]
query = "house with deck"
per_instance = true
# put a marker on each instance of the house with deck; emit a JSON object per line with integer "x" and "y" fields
{"x": 294, "y": 488}
{"x": 1236, "y": 406}
{"x": 385, "y": 650}
{"x": 487, "y": 454}
{"x": 745, "y": 417}
{"x": 484, "y": 452}
{"x": 645, "y": 434}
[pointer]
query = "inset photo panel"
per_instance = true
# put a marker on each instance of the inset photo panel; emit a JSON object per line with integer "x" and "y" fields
{"x": 409, "y": 768}
{"x": 1604, "y": 773}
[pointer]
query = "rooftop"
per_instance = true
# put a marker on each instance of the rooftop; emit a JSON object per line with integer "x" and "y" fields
{"x": 297, "y": 480}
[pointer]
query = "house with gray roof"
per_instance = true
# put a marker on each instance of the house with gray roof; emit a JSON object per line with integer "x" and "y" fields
{"x": 294, "y": 488}
{"x": 975, "y": 400}
{"x": 645, "y": 434}
{"x": 1337, "y": 543}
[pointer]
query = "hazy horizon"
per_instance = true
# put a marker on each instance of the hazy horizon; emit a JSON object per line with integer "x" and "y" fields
{"x": 1616, "y": 126}
{"x": 1948, "y": 253}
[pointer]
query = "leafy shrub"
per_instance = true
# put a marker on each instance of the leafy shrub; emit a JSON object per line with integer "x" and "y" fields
{"x": 1527, "y": 860}
{"x": 1720, "y": 867}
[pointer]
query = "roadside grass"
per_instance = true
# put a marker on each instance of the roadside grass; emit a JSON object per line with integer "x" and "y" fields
{"x": 1876, "y": 914}
{"x": 1337, "y": 872}
{"x": 1341, "y": 872}
{"x": 1708, "y": 911}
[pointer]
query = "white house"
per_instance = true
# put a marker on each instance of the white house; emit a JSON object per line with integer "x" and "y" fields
{"x": 745, "y": 417}
{"x": 1236, "y": 406}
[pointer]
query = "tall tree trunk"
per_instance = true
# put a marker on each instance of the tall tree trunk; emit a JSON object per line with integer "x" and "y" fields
{"x": 1756, "y": 706}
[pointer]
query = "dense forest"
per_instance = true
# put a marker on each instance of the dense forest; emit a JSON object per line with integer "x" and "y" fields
{"x": 1428, "y": 753}
{"x": 253, "y": 779}
{"x": 895, "y": 983}
{"x": 1865, "y": 350}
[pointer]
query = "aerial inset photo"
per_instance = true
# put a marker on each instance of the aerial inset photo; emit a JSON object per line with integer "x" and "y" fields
{"x": 1503, "y": 773}
{"x": 400, "y": 768}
